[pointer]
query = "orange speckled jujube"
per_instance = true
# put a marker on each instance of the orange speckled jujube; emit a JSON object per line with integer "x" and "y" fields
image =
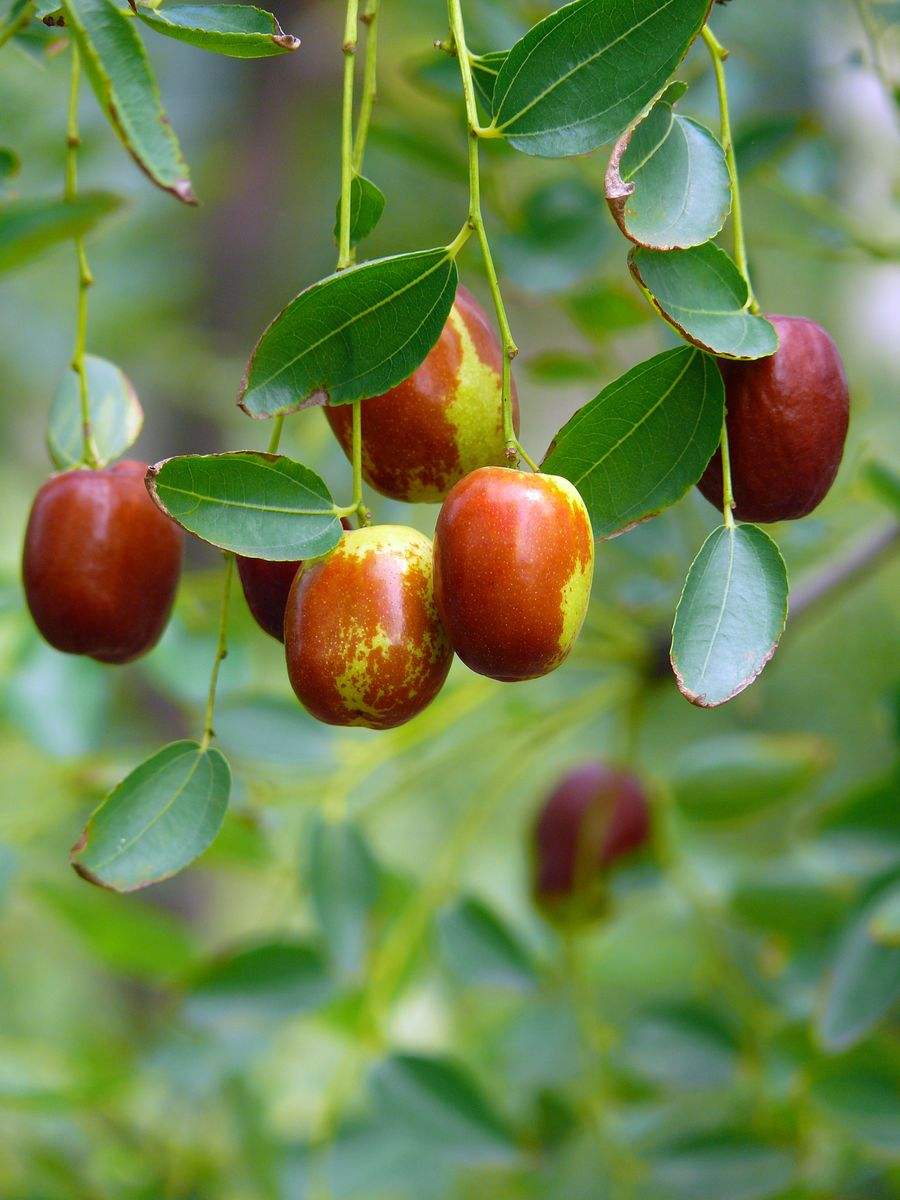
{"x": 425, "y": 434}
{"x": 513, "y": 566}
{"x": 101, "y": 563}
{"x": 363, "y": 642}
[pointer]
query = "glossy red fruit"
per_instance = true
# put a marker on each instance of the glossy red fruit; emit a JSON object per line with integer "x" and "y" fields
{"x": 513, "y": 567}
{"x": 424, "y": 435}
{"x": 594, "y": 817}
{"x": 266, "y": 586}
{"x": 101, "y": 563}
{"x": 362, "y": 639}
{"x": 787, "y": 423}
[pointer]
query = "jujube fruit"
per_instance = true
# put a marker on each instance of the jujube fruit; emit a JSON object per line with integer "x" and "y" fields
{"x": 595, "y": 816}
{"x": 787, "y": 419}
{"x": 266, "y": 585}
{"x": 363, "y": 642}
{"x": 426, "y": 433}
{"x": 513, "y": 567}
{"x": 101, "y": 563}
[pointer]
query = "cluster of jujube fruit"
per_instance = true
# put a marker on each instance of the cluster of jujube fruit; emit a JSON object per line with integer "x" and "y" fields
{"x": 371, "y": 628}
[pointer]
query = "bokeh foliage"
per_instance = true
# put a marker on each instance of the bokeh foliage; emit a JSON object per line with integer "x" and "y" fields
{"x": 249, "y": 1030}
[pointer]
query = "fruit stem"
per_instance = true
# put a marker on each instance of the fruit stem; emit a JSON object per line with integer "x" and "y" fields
{"x": 370, "y": 84}
{"x": 345, "y": 256}
{"x": 221, "y": 654}
{"x": 476, "y": 224}
{"x": 85, "y": 278}
{"x": 718, "y": 54}
{"x": 275, "y": 439}
{"x": 727, "y": 492}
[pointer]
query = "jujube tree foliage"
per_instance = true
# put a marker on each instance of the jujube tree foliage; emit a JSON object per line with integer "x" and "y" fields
{"x": 416, "y": 381}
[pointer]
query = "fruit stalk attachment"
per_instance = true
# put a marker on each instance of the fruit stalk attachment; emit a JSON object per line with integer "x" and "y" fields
{"x": 85, "y": 278}
{"x": 221, "y": 654}
{"x": 475, "y": 224}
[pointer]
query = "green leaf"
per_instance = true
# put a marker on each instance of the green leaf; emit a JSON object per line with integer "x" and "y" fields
{"x": 762, "y": 141}
{"x": 60, "y": 701}
{"x": 14, "y": 14}
{"x": 127, "y": 935}
{"x": 238, "y": 30}
{"x": 638, "y": 446}
{"x": 480, "y": 949}
{"x": 560, "y": 238}
{"x": 741, "y": 774}
{"x": 667, "y": 182}
{"x": 562, "y": 366}
{"x": 788, "y": 899}
{"x": 126, "y": 90}
{"x": 602, "y": 310}
{"x": 10, "y": 164}
{"x": 862, "y": 1098}
{"x": 256, "y": 504}
{"x": 275, "y": 978}
{"x": 863, "y": 983}
{"x": 444, "y": 1107}
{"x": 343, "y": 881}
{"x": 116, "y": 415}
{"x": 731, "y": 615}
{"x": 703, "y": 295}
{"x": 485, "y": 69}
{"x": 157, "y": 820}
{"x": 884, "y": 481}
{"x": 581, "y": 75}
{"x": 28, "y": 227}
{"x": 273, "y": 730}
{"x": 356, "y": 334}
{"x": 366, "y": 207}
{"x": 719, "y": 1165}
{"x": 681, "y": 1046}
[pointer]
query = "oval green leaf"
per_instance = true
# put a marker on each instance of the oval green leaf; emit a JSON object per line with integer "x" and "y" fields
{"x": 684, "y": 1047}
{"x": 266, "y": 980}
{"x": 116, "y": 415}
{"x": 238, "y": 30}
{"x": 343, "y": 881}
{"x": 638, "y": 446}
{"x": 730, "y": 616}
{"x": 741, "y": 774}
{"x": 256, "y": 504}
{"x": 667, "y": 182}
{"x": 157, "y": 820}
{"x": 28, "y": 227}
{"x": 366, "y": 207}
{"x": 485, "y": 69}
{"x": 703, "y": 295}
{"x": 863, "y": 983}
{"x": 356, "y": 334}
{"x": 123, "y": 81}
{"x": 715, "y": 1165}
{"x": 580, "y": 76}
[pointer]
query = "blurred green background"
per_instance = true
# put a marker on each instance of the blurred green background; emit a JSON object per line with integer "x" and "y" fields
{"x": 695, "y": 1042}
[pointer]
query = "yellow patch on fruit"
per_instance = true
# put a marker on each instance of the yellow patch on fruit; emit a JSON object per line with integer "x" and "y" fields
{"x": 576, "y": 594}
{"x": 355, "y": 681}
{"x": 475, "y": 411}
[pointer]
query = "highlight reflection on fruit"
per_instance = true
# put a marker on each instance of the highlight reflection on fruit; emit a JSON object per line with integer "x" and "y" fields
{"x": 424, "y": 435}
{"x": 363, "y": 642}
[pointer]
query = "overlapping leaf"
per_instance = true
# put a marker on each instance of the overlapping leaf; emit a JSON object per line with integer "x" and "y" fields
{"x": 580, "y": 76}
{"x": 256, "y": 504}
{"x": 237, "y": 30}
{"x": 638, "y": 446}
{"x": 13, "y": 15}
{"x": 116, "y": 414}
{"x": 353, "y": 335}
{"x": 366, "y": 207}
{"x": 126, "y": 90}
{"x": 667, "y": 182}
{"x": 730, "y": 616}
{"x": 703, "y": 295}
{"x": 157, "y": 820}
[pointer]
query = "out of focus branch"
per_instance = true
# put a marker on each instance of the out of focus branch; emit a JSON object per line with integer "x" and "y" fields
{"x": 861, "y": 559}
